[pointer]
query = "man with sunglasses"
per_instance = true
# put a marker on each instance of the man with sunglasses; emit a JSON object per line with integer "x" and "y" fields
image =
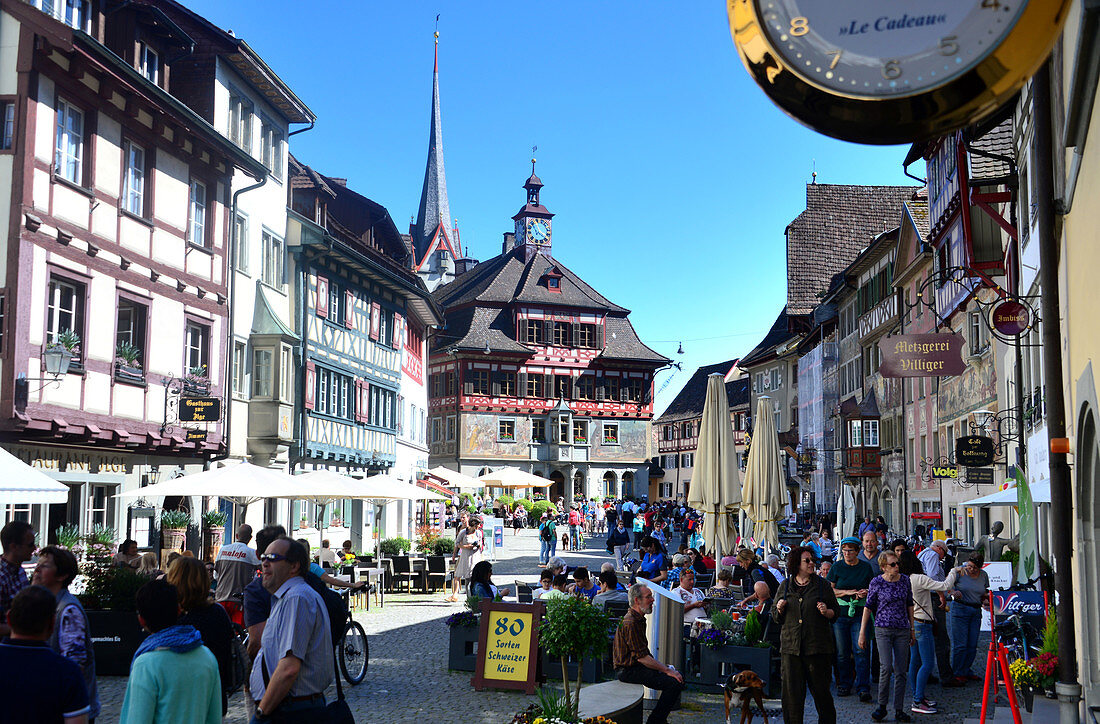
{"x": 17, "y": 538}
{"x": 295, "y": 664}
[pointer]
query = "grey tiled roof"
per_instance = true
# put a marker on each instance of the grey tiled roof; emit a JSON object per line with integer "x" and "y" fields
{"x": 507, "y": 278}
{"x": 918, "y": 211}
{"x": 621, "y": 342}
{"x": 869, "y": 406}
{"x": 473, "y": 328}
{"x": 775, "y": 336}
{"x": 838, "y": 222}
{"x": 690, "y": 400}
{"x": 998, "y": 142}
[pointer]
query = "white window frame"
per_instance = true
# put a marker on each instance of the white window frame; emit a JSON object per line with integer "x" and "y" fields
{"x": 133, "y": 178}
{"x": 7, "y": 132}
{"x": 73, "y": 13}
{"x": 976, "y": 332}
{"x": 148, "y": 63}
{"x": 286, "y": 374}
{"x": 69, "y": 144}
{"x": 612, "y": 426}
{"x": 271, "y": 147}
{"x": 241, "y": 111}
{"x": 870, "y": 433}
{"x": 55, "y": 309}
{"x": 263, "y": 372}
{"x": 855, "y": 433}
{"x": 241, "y": 249}
{"x": 272, "y": 259}
{"x": 197, "y": 339}
{"x": 198, "y": 213}
{"x": 240, "y": 369}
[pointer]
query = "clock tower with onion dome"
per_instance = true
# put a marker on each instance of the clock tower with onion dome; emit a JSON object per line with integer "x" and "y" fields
{"x": 533, "y": 220}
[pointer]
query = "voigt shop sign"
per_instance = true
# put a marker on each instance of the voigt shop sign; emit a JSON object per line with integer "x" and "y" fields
{"x": 921, "y": 355}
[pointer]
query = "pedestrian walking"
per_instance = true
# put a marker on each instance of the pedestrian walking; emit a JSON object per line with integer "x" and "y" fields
{"x": 890, "y": 599}
{"x": 37, "y": 684}
{"x": 805, "y": 606}
{"x": 964, "y": 620}
{"x": 235, "y": 567}
{"x": 17, "y": 539}
{"x": 632, "y": 656}
{"x": 870, "y": 550}
{"x": 931, "y": 559}
{"x": 850, "y": 578}
{"x": 575, "y": 522}
{"x": 922, "y": 657}
{"x": 71, "y": 635}
{"x": 173, "y": 677}
{"x": 296, "y": 662}
{"x": 467, "y": 552}
{"x": 548, "y": 538}
{"x": 192, "y": 584}
{"x": 618, "y": 544}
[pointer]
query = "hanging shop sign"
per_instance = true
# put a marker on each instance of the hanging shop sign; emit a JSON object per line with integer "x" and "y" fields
{"x": 975, "y": 451}
{"x": 945, "y": 472}
{"x": 898, "y": 72}
{"x": 508, "y": 646}
{"x": 200, "y": 409}
{"x": 1010, "y": 317}
{"x": 979, "y": 476}
{"x": 921, "y": 355}
{"x": 195, "y": 436}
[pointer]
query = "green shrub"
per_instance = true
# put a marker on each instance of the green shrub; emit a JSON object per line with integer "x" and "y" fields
{"x": 573, "y": 627}
{"x": 505, "y": 500}
{"x": 68, "y": 535}
{"x": 443, "y": 546}
{"x": 722, "y": 620}
{"x": 114, "y": 590}
{"x": 1050, "y": 634}
{"x": 539, "y": 507}
{"x": 395, "y": 546}
{"x": 175, "y": 519}
{"x": 465, "y": 499}
{"x": 214, "y": 519}
{"x": 527, "y": 504}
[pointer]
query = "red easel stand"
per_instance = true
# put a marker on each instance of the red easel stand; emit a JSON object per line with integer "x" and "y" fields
{"x": 996, "y": 667}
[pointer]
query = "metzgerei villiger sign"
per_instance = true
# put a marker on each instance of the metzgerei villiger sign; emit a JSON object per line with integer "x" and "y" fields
{"x": 921, "y": 355}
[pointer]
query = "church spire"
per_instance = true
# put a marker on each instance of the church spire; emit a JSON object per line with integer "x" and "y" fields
{"x": 435, "y": 211}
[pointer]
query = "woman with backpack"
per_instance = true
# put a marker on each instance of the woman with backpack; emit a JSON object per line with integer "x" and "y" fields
{"x": 548, "y": 537}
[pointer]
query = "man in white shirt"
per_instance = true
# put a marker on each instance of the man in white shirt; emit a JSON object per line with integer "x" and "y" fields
{"x": 691, "y": 596}
{"x": 234, "y": 568}
{"x": 772, "y": 562}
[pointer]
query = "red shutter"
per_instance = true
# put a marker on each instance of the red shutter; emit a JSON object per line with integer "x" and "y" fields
{"x": 311, "y": 384}
{"x": 363, "y": 411}
{"x": 398, "y": 331}
{"x": 359, "y": 402}
{"x": 375, "y": 319}
{"x": 322, "y": 296}
{"x": 349, "y": 309}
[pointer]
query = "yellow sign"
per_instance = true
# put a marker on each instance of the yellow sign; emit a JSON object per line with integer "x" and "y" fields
{"x": 508, "y": 651}
{"x": 939, "y": 535}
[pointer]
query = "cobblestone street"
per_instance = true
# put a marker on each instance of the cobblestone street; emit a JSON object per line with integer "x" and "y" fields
{"x": 407, "y": 679}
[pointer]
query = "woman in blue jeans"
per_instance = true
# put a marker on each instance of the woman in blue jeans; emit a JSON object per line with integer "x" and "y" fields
{"x": 922, "y": 659}
{"x": 965, "y": 617}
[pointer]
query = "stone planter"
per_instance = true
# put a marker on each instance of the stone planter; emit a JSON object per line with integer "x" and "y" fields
{"x": 115, "y": 636}
{"x": 717, "y": 665}
{"x": 462, "y": 652}
{"x": 212, "y": 539}
{"x": 173, "y": 539}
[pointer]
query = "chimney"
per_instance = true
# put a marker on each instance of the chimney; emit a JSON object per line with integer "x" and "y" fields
{"x": 464, "y": 265}
{"x": 509, "y": 242}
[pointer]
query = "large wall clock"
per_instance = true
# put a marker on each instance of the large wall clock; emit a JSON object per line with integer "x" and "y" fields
{"x": 893, "y": 72}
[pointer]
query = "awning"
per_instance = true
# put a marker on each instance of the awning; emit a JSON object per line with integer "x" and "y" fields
{"x": 24, "y": 485}
{"x": 925, "y": 516}
{"x": 1040, "y": 493}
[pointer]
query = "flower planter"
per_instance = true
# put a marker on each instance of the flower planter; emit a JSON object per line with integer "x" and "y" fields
{"x": 195, "y": 387}
{"x": 115, "y": 636}
{"x": 717, "y": 665}
{"x": 462, "y": 652}
{"x": 591, "y": 673}
{"x": 173, "y": 538}
{"x": 1027, "y": 693}
{"x": 212, "y": 539}
{"x": 129, "y": 373}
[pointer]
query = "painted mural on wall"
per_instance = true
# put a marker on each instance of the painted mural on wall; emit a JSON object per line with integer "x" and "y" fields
{"x": 633, "y": 436}
{"x": 974, "y": 389}
{"x": 480, "y": 436}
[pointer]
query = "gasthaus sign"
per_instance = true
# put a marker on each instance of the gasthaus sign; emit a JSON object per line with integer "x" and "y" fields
{"x": 921, "y": 355}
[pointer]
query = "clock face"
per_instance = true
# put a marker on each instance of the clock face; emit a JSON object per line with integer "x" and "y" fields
{"x": 873, "y": 49}
{"x": 539, "y": 230}
{"x": 873, "y": 71}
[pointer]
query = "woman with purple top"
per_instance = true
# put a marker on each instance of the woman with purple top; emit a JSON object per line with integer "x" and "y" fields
{"x": 890, "y": 600}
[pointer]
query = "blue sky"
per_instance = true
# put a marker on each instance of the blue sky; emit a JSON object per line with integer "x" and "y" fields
{"x": 671, "y": 174}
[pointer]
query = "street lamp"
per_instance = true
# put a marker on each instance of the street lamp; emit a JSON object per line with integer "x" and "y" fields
{"x": 57, "y": 360}
{"x": 982, "y": 417}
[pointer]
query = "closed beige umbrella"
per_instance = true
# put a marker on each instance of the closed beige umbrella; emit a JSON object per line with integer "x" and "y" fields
{"x": 763, "y": 496}
{"x": 715, "y": 486}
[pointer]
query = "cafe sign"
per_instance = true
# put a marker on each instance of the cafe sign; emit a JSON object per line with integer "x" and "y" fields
{"x": 975, "y": 451}
{"x": 921, "y": 355}
{"x": 1011, "y": 318}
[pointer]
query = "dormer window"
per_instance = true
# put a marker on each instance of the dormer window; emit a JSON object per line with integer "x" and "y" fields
{"x": 551, "y": 279}
{"x": 149, "y": 63}
{"x": 553, "y": 284}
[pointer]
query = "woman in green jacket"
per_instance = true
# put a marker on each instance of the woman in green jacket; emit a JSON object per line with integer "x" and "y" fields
{"x": 805, "y": 607}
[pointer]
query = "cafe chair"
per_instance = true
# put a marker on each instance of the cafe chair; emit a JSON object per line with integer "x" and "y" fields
{"x": 438, "y": 568}
{"x": 524, "y": 592}
{"x": 402, "y": 569}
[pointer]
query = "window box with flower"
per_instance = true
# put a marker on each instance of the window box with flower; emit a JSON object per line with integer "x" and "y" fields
{"x": 197, "y": 380}
{"x": 128, "y": 363}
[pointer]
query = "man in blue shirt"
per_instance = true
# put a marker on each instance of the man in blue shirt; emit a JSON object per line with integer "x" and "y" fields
{"x": 36, "y": 683}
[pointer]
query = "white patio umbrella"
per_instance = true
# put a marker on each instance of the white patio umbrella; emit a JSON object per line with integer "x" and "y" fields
{"x": 845, "y": 512}
{"x": 455, "y": 478}
{"x": 715, "y": 488}
{"x": 24, "y": 485}
{"x": 509, "y": 477}
{"x": 243, "y": 484}
{"x": 763, "y": 495}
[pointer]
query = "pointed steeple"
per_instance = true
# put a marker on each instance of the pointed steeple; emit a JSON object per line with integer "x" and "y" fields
{"x": 435, "y": 211}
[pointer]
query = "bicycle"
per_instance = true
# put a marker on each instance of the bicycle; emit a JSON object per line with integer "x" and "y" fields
{"x": 1020, "y": 638}
{"x": 352, "y": 650}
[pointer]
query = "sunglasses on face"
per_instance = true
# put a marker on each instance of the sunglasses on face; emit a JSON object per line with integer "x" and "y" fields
{"x": 808, "y": 560}
{"x": 272, "y": 558}
{"x": 892, "y": 564}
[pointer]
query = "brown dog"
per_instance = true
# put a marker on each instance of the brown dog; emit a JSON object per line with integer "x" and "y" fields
{"x": 750, "y": 687}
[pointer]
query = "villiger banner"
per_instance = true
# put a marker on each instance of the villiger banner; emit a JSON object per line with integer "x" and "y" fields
{"x": 921, "y": 355}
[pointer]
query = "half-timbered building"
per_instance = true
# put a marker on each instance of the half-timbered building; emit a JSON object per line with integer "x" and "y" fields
{"x": 537, "y": 369}
{"x": 116, "y": 199}
{"x": 355, "y": 300}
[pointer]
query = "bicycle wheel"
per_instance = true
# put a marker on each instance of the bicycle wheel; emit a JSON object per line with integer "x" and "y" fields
{"x": 353, "y": 653}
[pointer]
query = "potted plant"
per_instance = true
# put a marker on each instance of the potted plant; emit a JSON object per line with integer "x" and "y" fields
{"x": 574, "y": 629}
{"x": 68, "y": 536}
{"x": 213, "y": 532}
{"x": 426, "y": 537}
{"x": 197, "y": 380}
{"x": 107, "y": 593}
{"x": 725, "y": 651}
{"x": 1026, "y": 679}
{"x": 395, "y": 546}
{"x": 463, "y": 629}
{"x": 443, "y": 546}
{"x": 173, "y": 529}
{"x": 128, "y": 362}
